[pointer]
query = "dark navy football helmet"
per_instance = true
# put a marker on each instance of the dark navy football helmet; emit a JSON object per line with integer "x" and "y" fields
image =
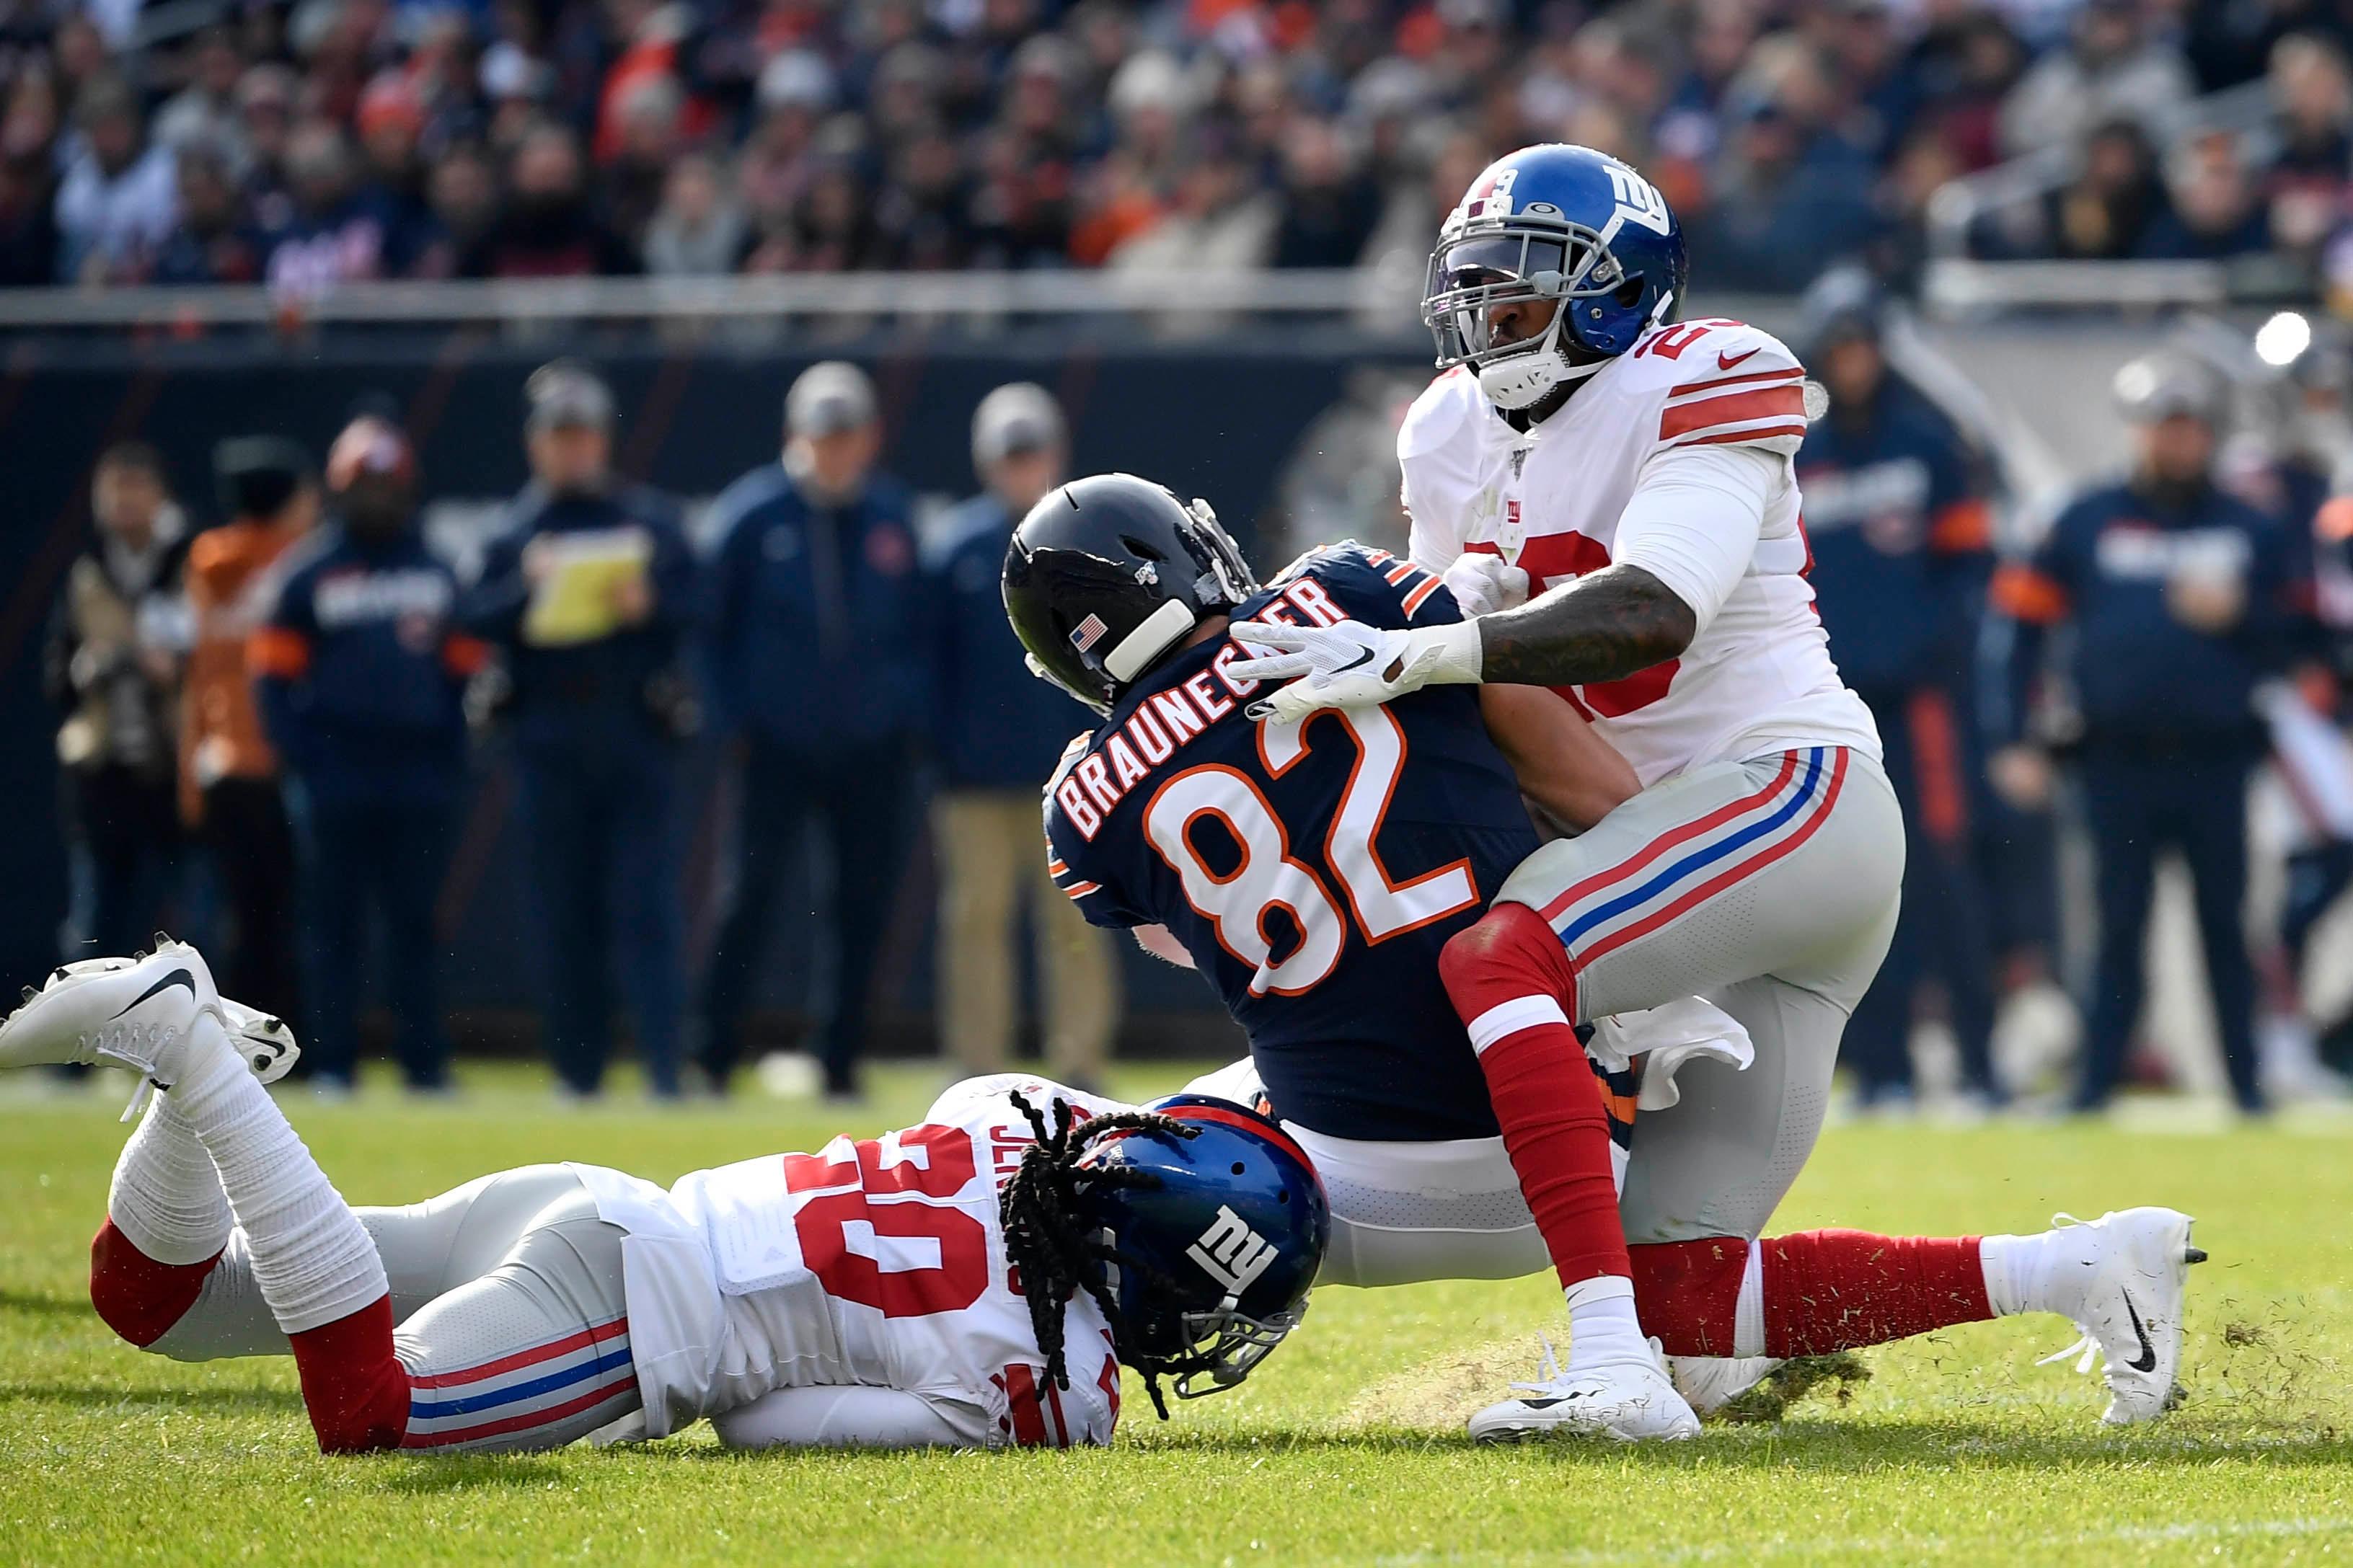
{"x": 1108, "y": 573}
{"x": 1552, "y": 222}
{"x": 1216, "y": 1252}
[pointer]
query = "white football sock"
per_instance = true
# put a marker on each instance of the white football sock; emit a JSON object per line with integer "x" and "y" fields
{"x": 314, "y": 1260}
{"x": 1602, "y": 1326}
{"x": 166, "y": 1198}
{"x": 2016, "y": 1273}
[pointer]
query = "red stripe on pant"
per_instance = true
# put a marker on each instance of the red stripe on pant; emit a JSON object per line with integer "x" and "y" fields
{"x": 1546, "y": 1101}
{"x": 1824, "y": 1290}
{"x": 622, "y": 1384}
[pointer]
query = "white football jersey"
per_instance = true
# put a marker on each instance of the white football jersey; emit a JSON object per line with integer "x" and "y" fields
{"x": 875, "y": 1261}
{"x": 1759, "y": 678}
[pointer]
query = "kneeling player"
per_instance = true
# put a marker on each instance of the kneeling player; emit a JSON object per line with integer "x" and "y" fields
{"x": 1314, "y": 870}
{"x": 975, "y": 1280}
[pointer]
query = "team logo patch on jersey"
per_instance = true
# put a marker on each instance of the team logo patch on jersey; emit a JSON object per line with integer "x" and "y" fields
{"x": 1231, "y": 1253}
{"x": 1088, "y": 633}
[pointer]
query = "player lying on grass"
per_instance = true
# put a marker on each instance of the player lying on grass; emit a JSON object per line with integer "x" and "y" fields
{"x": 1321, "y": 874}
{"x": 973, "y": 1282}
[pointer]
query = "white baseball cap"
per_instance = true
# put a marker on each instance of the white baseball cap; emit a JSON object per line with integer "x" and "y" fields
{"x": 827, "y": 398}
{"x": 1019, "y": 417}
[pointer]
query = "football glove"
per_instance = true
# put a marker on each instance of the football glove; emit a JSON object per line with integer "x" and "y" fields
{"x": 1482, "y": 584}
{"x": 1350, "y": 665}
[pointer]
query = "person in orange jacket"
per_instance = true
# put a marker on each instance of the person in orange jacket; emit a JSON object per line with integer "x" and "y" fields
{"x": 228, "y": 773}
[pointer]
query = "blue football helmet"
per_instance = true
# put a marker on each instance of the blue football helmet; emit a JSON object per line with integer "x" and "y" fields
{"x": 1561, "y": 223}
{"x": 1216, "y": 1250}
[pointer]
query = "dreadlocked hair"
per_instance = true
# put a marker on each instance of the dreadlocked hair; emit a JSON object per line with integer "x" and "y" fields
{"x": 1047, "y": 1236}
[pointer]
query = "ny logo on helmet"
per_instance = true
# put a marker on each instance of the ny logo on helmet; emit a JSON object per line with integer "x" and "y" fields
{"x": 1638, "y": 202}
{"x": 1231, "y": 1253}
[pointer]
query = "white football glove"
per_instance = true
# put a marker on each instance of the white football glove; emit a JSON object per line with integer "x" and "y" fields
{"x": 1350, "y": 665}
{"x": 1482, "y": 584}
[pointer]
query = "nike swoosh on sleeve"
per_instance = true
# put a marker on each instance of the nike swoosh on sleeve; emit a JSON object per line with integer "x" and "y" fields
{"x": 1726, "y": 361}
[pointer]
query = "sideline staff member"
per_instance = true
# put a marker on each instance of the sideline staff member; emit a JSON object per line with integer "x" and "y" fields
{"x": 817, "y": 654}
{"x": 588, "y": 592}
{"x": 361, "y": 676}
{"x": 2176, "y": 592}
{"x": 998, "y": 733}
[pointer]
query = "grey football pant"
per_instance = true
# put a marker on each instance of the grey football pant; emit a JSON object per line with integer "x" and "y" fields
{"x": 508, "y": 1294}
{"x": 1769, "y": 888}
{"x": 1787, "y": 947}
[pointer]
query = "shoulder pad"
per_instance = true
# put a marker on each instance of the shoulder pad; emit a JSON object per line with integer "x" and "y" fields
{"x": 1069, "y": 760}
{"x": 1449, "y": 404}
{"x": 1346, "y": 552}
{"x": 1719, "y": 383}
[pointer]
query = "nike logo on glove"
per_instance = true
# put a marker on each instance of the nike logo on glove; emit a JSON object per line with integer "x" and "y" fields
{"x": 2146, "y": 1360}
{"x": 1726, "y": 361}
{"x": 178, "y": 977}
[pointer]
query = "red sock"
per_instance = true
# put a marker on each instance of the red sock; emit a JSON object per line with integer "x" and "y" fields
{"x": 354, "y": 1386}
{"x": 1840, "y": 1289}
{"x": 1687, "y": 1293}
{"x": 1546, "y": 1098}
{"x": 1823, "y": 1290}
{"x": 135, "y": 1296}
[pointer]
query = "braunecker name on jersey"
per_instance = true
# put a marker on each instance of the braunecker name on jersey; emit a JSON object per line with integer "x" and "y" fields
{"x": 1704, "y": 415}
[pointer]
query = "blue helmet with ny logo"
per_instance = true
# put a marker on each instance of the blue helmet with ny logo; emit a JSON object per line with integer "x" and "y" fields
{"x": 1554, "y": 223}
{"x": 1216, "y": 1238}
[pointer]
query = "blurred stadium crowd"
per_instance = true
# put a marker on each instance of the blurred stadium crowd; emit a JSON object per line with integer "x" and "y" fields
{"x": 330, "y": 139}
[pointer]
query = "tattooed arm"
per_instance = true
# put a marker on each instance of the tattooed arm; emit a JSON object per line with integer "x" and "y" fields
{"x": 1683, "y": 545}
{"x": 1606, "y": 626}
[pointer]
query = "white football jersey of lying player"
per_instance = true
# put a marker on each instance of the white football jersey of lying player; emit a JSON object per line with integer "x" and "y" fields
{"x": 1759, "y": 678}
{"x": 876, "y": 1261}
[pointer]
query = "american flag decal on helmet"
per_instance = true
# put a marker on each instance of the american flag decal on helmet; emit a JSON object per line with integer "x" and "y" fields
{"x": 1088, "y": 633}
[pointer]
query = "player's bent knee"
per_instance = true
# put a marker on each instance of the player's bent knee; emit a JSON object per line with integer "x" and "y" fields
{"x": 1509, "y": 953}
{"x": 137, "y": 1296}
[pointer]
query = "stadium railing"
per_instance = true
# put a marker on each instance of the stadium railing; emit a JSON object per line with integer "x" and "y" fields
{"x": 1957, "y": 283}
{"x": 1367, "y": 295}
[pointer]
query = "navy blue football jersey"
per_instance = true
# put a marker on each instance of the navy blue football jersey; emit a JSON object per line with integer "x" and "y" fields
{"x": 1312, "y": 870}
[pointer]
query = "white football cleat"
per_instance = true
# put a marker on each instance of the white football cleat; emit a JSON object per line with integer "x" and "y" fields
{"x": 1711, "y": 1382}
{"x": 2122, "y": 1277}
{"x": 112, "y": 1012}
{"x": 1629, "y": 1401}
{"x": 267, "y": 1046}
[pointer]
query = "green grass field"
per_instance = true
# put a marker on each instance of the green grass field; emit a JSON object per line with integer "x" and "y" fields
{"x": 1347, "y": 1448}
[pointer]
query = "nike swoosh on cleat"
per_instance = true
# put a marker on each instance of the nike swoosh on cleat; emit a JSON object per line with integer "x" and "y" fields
{"x": 178, "y": 977}
{"x": 1726, "y": 361}
{"x": 2146, "y": 1360}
